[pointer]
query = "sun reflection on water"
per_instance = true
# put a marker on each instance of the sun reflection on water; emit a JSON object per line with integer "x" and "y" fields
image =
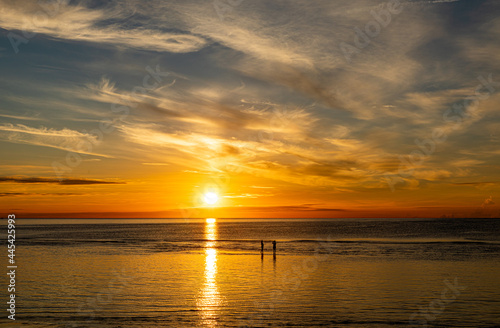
{"x": 209, "y": 300}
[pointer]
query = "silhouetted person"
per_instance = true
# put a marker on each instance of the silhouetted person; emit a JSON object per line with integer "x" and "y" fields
{"x": 274, "y": 246}
{"x": 262, "y": 246}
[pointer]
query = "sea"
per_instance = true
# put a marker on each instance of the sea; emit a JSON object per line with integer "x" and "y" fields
{"x": 212, "y": 273}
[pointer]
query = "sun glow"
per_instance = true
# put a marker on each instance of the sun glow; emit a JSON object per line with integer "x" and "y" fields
{"x": 210, "y": 198}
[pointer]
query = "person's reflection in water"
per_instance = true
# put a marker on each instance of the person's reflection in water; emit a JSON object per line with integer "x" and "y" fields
{"x": 274, "y": 263}
{"x": 262, "y": 264}
{"x": 274, "y": 256}
{"x": 261, "y": 257}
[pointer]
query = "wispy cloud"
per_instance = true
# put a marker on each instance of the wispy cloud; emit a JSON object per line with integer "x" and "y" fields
{"x": 56, "y": 181}
{"x": 246, "y": 195}
{"x": 79, "y": 23}
{"x": 65, "y": 139}
{"x": 20, "y": 117}
{"x": 17, "y": 194}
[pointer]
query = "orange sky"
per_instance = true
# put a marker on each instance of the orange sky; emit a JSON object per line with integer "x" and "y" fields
{"x": 279, "y": 110}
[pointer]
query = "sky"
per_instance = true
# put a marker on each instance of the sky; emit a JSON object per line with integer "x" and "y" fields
{"x": 280, "y": 109}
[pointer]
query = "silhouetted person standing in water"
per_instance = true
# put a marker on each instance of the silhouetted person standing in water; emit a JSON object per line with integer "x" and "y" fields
{"x": 274, "y": 246}
{"x": 262, "y": 246}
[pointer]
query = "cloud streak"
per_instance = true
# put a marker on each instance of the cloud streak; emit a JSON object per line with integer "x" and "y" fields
{"x": 79, "y": 23}
{"x": 64, "y": 139}
{"x": 65, "y": 182}
{"x": 17, "y": 194}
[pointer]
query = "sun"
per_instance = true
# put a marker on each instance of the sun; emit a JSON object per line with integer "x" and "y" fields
{"x": 210, "y": 198}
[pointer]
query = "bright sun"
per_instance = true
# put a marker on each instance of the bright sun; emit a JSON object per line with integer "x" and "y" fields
{"x": 210, "y": 198}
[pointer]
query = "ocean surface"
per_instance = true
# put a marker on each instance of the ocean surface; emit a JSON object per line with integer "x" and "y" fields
{"x": 211, "y": 273}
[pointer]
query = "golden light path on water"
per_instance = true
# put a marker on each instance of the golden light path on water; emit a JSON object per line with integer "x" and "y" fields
{"x": 209, "y": 301}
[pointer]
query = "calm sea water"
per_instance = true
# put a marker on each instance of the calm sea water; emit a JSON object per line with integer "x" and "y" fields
{"x": 211, "y": 273}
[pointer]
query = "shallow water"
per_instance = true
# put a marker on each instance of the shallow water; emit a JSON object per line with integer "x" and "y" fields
{"x": 326, "y": 273}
